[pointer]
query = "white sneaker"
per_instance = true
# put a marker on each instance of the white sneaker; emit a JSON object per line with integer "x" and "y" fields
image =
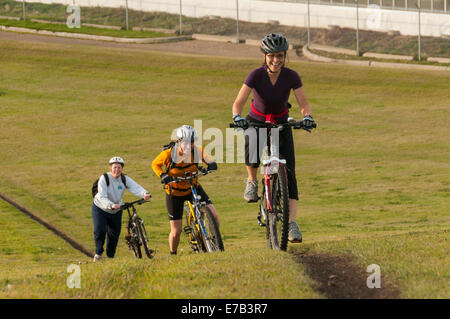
{"x": 251, "y": 191}
{"x": 295, "y": 235}
{"x": 97, "y": 258}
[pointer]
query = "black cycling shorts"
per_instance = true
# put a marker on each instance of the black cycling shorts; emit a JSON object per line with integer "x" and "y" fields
{"x": 175, "y": 204}
{"x": 253, "y": 155}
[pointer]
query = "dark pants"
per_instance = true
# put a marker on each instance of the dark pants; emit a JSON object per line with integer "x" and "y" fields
{"x": 106, "y": 226}
{"x": 286, "y": 149}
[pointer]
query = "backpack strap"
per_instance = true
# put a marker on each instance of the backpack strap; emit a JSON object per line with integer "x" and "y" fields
{"x": 124, "y": 180}
{"x": 106, "y": 178}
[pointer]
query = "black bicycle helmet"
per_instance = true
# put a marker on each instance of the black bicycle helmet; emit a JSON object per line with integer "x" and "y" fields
{"x": 274, "y": 42}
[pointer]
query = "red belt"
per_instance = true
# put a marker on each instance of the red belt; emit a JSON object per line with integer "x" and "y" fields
{"x": 271, "y": 118}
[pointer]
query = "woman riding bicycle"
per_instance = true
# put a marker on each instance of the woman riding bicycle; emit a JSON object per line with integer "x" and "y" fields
{"x": 271, "y": 85}
{"x": 106, "y": 212}
{"x": 180, "y": 158}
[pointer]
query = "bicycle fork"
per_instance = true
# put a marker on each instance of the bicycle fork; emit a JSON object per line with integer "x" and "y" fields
{"x": 266, "y": 197}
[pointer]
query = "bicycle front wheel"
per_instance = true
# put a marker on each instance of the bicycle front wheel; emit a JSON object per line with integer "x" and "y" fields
{"x": 213, "y": 240}
{"x": 193, "y": 229}
{"x": 143, "y": 238}
{"x": 133, "y": 241}
{"x": 278, "y": 217}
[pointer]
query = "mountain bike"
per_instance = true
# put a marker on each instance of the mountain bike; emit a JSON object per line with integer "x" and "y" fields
{"x": 201, "y": 225}
{"x": 274, "y": 200}
{"x": 137, "y": 235}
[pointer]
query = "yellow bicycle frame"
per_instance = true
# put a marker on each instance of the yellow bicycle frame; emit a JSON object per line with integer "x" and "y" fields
{"x": 192, "y": 220}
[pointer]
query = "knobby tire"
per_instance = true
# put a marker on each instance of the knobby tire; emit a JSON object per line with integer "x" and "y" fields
{"x": 212, "y": 230}
{"x": 278, "y": 219}
{"x": 135, "y": 246}
{"x": 143, "y": 238}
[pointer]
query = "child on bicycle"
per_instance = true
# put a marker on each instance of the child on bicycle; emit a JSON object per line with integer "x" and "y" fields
{"x": 178, "y": 158}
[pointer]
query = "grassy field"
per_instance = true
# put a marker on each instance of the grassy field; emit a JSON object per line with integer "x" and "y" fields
{"x": 374, "y": 179}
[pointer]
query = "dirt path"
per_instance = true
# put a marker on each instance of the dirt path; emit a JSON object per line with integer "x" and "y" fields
{"x": 196, "y": 47}
{"x": 339, "y": 277}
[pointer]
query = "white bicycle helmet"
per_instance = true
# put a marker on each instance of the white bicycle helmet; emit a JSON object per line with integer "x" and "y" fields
{"x": 116, "y": 159}
{"x": 187, "y": 133}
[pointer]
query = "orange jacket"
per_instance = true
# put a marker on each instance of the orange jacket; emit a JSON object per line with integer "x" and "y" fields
{"x": 181, "y": 164}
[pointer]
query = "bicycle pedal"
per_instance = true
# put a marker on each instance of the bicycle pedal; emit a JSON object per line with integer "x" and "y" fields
{"x": 260, "y": 223}
{"x": 187, "y": 230}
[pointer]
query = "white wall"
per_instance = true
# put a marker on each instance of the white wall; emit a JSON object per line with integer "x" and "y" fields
{"x": 295, "y": 14}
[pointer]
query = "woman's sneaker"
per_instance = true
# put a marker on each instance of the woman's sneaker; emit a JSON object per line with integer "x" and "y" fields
{"x": 251, "y": 191}
{"x": 295, "y": 235}
{"x": 97, "y": 258}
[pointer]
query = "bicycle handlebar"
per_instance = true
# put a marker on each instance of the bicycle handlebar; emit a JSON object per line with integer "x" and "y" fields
{"x": 295, "y": 124}
{"x": 137, "y": 202}
{"x": 192, "y": 175}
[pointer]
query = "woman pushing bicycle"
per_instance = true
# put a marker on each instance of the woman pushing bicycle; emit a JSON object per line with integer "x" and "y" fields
{"x": 106, "y": 207}
{"x": 271, "y": 85}
{"x": 179, "y": 158}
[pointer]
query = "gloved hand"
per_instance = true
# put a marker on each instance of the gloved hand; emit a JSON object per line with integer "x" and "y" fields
{"x": 212, "y": 166}
{"x": 308, "y": 122}
{"x": 166, "y": 179}
{"x": 239, "y": 121}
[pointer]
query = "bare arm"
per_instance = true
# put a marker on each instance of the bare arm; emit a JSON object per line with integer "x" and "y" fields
{"x": 300, "y": 95}
{"x": 241, "y": 99}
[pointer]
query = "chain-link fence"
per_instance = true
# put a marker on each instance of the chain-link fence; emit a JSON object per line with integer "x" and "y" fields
{"x": 362, "y": 26}
{"x": 438, "y": 6}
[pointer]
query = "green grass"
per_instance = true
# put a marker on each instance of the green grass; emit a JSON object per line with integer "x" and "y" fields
{"x": 82, "y": 29}
{"x": 373, "y": 178}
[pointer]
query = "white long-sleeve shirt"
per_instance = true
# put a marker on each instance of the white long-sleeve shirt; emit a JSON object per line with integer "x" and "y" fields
{"x": 107, "y": 196}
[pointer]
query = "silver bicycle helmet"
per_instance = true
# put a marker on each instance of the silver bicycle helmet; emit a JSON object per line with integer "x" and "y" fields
{"x": 274, "y": 42}
{"x": 187, "y": 133}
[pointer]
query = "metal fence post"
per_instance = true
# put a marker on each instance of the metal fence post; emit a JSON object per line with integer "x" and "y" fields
{"x": 126, "y": 13}
{"x": 181, "y": 18}
{"x": 418, "y": 7}
{"x": 358, "y": 53}
{"x": 237, "y": 20}
{"x": 24, "y": 10}
{"x": 309, "y": 28}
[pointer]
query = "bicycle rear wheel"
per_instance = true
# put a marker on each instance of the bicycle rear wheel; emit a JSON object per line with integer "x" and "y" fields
{"x": 214, "y": 238}
{"x": 278, "y": 217}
